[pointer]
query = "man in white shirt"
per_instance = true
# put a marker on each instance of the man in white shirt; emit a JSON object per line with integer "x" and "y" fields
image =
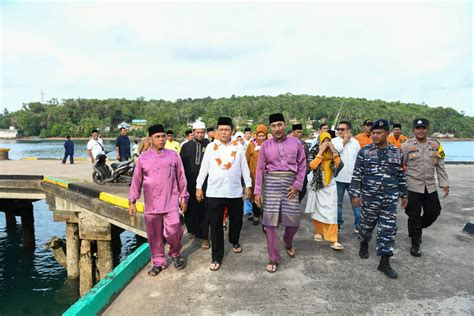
{"x": 95, "y": 146}
{"x": 348, "y": 148}
{"x": 224, "y": 164}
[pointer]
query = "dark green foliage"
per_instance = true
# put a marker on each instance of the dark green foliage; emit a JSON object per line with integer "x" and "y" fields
{"x": 77, "y": 117}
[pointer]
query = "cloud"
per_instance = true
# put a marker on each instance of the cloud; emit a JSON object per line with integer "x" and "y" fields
{"x": 413, "y": 52}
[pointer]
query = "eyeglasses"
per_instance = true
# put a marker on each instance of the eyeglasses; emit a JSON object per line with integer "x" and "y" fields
{"x": 341, "y": 129}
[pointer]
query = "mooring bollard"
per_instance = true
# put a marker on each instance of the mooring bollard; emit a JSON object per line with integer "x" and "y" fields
{"x": 4, "y": 153}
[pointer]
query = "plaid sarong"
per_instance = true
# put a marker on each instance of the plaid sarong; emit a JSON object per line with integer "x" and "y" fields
{"x": 277, "y": 208}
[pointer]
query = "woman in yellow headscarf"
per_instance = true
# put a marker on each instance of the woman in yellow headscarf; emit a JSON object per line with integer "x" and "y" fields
{"x": 322, "y": 196}
{"x": 252, "y": 152}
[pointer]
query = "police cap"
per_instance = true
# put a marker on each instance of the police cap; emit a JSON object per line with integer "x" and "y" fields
{"x": 421, "y": 122}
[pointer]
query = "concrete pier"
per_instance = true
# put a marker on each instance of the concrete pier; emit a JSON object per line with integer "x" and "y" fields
{"x": 318, "y": 280}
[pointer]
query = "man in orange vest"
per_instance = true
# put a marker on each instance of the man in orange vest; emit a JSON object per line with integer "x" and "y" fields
{"x": 364, "y": 137}
{"x": 397, "y": 139}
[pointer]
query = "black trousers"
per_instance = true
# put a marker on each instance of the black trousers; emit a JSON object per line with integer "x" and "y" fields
{"x": 196, "y": 217}
{"x": 256, "y": 210}
{"x": 302, "y": 193}
{"x": 429, "y": 202}
{"x": 235, "y": 209}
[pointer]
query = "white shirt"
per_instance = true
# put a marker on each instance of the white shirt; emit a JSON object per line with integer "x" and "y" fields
{"x": 223, "y": 183}
{"x": 96, "y": 147}
{"x": 348, "y": 154}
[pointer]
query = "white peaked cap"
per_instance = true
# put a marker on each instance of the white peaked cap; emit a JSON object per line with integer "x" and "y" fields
{"x": 199, "y": 124}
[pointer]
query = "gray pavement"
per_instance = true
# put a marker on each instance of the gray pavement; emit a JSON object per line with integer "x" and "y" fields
{"x": 320, "y": 280}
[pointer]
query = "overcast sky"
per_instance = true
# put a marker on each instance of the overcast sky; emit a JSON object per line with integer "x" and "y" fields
{"x": 412, "y": 52}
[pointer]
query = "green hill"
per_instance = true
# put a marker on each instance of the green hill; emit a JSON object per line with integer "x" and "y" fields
{"x": 77, "y": 117}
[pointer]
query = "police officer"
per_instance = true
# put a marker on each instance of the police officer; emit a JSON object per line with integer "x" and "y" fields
{"x": 423, "y": 157}
{"x": 377, "y": 183}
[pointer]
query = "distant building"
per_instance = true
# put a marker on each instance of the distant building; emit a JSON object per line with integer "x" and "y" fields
{"x": 124, "y": 124}
{"x": 441, "y": 135}
{"x": 10, "y": 133}
{"x": 138, "y": 124}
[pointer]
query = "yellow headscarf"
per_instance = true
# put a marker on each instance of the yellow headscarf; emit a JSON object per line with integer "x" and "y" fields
{"x": 327, "y": 158}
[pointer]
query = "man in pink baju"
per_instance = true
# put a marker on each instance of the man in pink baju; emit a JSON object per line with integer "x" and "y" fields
{"x": 160, "y": 173}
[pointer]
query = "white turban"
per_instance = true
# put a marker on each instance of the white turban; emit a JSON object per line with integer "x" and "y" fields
{"x": 238, "y": 134}
{"x": 199, "y": 125}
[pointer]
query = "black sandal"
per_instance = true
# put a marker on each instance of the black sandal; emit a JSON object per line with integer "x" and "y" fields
{"x": 217, "y": 266}
{"x": 274, "y": 267}
{"x": 178, "y": 262}
{"x": 256, "y": 221}
{"x": 236, "y": 248}
{"x": 155, "y": 270}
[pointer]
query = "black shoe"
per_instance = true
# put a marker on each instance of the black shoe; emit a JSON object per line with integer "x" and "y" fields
{"x": 178, "y": 262}
{"x": 364, "y": 250}
{"x": 385, "y": 267}
{"x": 415, "y": 249}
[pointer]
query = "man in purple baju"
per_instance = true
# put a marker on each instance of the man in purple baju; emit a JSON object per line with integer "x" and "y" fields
{"x": 160, "y": 172}
{"x": 281, "y": 170}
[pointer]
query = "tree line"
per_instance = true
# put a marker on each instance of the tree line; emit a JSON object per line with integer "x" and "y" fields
{"x": 78, "y": 117}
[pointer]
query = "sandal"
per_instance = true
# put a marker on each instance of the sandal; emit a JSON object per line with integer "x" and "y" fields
{"x": 205, "y": 245}
{"x": 273, "y": 267}
{"x": 236, "y": 248}
{"x": 291, "y": 252}
{"x": 215, "y": 265}
{"x": 256, "y": 221}
{"x": 250, "y": 218}
{"x": 178, "y": 262}
{"x": 318, "y": 237}
{"x": 155, "y": 270}
{"x": 337, "y": 246}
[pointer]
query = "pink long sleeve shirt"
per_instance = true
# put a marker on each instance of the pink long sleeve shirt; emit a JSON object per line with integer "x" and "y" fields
{"x": 284, "y": 155}
{"x": 161, "y": 174}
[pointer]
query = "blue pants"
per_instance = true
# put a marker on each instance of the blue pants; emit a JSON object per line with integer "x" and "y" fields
{"x": 379, "y": 211}
{"x": 71, "y": 158}
{"x": 341, "y": 188}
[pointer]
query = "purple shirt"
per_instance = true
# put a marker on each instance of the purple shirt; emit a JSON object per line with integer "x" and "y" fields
{"x": 162, "y": 176}
{"x": 284, "y": 155}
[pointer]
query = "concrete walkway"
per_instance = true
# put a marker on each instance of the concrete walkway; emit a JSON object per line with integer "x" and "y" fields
{"x": 321, "y": 280}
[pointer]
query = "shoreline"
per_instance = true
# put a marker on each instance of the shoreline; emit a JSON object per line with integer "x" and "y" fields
{"x": 454, "y": 139}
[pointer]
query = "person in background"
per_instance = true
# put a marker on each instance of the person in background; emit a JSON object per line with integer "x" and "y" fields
{"x": 68, "y": 150}
{"x": 348, "y": 148}
{"x": 323, "y": 127}
{"x": 364, "y": 138}
{"x": 239, "y": 136}
{"x": 251, "y": 154}
{"x": 144, "y": 145}
{"x": 164, "y": 193}
{"x": 122, "y": 145}
{"x": 297, "y": 131}
{"x": 95, "y": 146}
{"x": 135, "y": 148}
{"x": 247, "y": 137}
{"x": 423, "y": 158}
{"x": 322, "y": 198}
{"x": 211, "y": 134}
{"x": 280, "y": 175}
{"x": 188, "y": 137}
{"x": 171, "y": 143}
{"x": 192, "y": 153}
{"x": 397, "y": 139}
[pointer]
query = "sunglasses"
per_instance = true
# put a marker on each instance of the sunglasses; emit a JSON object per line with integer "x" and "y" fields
{"x": 341, "y": 129}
